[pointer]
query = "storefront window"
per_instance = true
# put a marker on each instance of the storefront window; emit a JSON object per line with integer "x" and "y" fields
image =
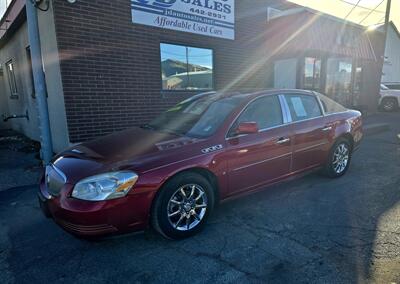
{"x": 312, "y": 73}
{"x": 186, "y": 68}
{"x": 338, "y": 80}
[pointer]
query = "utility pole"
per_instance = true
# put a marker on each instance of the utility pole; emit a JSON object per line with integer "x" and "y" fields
{"x": 39, "y": 81}
{"x": 387, "y": 20}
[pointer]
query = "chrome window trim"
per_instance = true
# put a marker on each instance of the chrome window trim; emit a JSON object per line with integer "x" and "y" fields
{"x": 321, "y": 105}
{"x": 260, "y": 130}
{"x": 285, "y": 109}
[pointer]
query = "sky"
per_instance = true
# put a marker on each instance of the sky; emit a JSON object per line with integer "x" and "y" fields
{"x": 341, "y": 8}
{"x": 3, "y": 5}
{"x": 197, "y": 56}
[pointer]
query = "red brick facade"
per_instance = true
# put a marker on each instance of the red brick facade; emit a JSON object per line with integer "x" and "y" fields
{"x": 111, "y": 68}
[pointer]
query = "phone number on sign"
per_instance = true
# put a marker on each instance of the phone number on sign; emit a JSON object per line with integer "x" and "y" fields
{"x": 209, "y": 14}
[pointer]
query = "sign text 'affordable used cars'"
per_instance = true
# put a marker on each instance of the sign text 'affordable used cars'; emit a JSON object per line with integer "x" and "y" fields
{"x": 214, "y": 18}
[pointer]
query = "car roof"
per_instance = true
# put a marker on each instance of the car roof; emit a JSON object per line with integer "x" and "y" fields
{"x": 271, "y": 92}
{"x": 247, "y": 95}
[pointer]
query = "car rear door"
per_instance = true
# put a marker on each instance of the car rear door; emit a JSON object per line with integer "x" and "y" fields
{"x": 310, "y": 141}
{"x": 260, "y": 158}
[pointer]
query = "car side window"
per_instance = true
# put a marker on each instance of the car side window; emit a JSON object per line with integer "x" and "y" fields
{"x": 303, "y": 106}
{"x": 266, "y": 111}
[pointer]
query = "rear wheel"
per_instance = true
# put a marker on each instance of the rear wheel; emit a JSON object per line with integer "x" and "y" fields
{"x": 389, "y": 104}
{"x": 183, "y": 205}
{"x": 339, "y": 159}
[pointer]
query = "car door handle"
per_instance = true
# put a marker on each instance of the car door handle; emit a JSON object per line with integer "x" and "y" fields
{"x": 282, "y": 140}
{"x": 328, "y": 128}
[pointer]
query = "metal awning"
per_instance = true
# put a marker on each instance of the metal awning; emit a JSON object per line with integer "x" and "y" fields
{"x": 307, "y": 31}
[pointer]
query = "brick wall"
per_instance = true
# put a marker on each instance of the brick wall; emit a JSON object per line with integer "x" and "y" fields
{"x": 111, "y": 69}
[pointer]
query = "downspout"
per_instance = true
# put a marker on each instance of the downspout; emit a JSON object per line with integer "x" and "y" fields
{"x": 39, "y": 82}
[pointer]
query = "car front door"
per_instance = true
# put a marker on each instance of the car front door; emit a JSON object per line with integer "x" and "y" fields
{"x": 263, "y": 157}
{"x": 310, "y": 141}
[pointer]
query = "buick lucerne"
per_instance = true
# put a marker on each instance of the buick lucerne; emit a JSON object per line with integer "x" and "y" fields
{"x": 170, "y": 173}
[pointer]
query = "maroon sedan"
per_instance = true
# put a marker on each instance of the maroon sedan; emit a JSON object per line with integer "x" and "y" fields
{"x": 212, "y": 147}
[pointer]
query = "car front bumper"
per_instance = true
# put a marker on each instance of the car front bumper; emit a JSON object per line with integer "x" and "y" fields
{"x": 92, "y": 219}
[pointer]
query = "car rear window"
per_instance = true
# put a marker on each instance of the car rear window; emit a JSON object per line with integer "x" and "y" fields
{"x": 330, "y": 106}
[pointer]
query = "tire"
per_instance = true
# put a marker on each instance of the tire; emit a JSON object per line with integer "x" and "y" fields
{"x": 176, "y": 214}
{"x": 389, "y": 104}
{"x": 342, "y": 150}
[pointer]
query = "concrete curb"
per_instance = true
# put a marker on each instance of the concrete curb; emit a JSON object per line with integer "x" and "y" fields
{"x": 376, "y": 128}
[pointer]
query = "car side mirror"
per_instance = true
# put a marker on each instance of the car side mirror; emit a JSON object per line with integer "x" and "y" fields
{"x": 247, "y": 128}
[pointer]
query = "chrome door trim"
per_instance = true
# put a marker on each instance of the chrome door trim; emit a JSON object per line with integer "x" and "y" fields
{"x": 311, "y": 147}
{"x": 261, "y": 162}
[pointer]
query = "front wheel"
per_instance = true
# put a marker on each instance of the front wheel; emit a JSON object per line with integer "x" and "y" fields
{"x": 339, "y": 159}
{"x": 183, "y": 205}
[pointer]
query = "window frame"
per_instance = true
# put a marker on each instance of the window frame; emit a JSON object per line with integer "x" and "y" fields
{"x": 283, "y": 114}
{"x": 9, "y": 73}
{"x": 303, "y": 73}
{"x": 187, "y": 91}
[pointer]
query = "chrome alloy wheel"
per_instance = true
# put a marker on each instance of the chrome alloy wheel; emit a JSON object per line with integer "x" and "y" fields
{"x": 187, "y": 207}
{"x": 341, "y": 158}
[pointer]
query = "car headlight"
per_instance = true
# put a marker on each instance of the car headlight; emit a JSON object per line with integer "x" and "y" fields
{"x": 105, "y": 186}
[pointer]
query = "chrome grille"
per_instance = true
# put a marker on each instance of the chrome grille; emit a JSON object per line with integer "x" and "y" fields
{"x": 55, "y": 180}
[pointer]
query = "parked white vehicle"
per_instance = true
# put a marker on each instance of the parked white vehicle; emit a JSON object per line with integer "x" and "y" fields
{"x": 389, "y": 99}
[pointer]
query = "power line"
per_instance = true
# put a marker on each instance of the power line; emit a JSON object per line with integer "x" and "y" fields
{"x": 351, "y": 11}
{"x": 362, "y": 7}
{"x": 369, "y": 14}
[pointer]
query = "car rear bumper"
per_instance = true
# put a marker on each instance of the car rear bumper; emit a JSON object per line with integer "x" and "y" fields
{"x": 95, "y": 219}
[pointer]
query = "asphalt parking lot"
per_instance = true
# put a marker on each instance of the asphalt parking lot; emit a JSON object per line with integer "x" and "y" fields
{"x": 310, "y": 230}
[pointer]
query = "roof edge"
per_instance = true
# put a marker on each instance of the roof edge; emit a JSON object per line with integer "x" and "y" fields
{"x": 10, "y": 17}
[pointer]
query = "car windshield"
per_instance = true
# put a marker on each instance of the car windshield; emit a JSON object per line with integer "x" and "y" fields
{"x": 196, "y": 117}
{"x": 383, "y": 87}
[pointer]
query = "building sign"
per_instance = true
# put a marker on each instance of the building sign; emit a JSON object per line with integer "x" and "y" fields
{"x": 214, "y": 18}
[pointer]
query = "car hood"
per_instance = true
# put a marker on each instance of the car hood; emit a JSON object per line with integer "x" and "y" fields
{"x": 137, "y": 149}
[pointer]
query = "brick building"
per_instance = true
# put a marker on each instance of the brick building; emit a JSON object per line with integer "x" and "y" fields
{"x": 108, "y": 68}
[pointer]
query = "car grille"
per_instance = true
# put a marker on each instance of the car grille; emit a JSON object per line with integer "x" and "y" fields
{"x": 86, "y": 229}
{"x": 55, "y": 180}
